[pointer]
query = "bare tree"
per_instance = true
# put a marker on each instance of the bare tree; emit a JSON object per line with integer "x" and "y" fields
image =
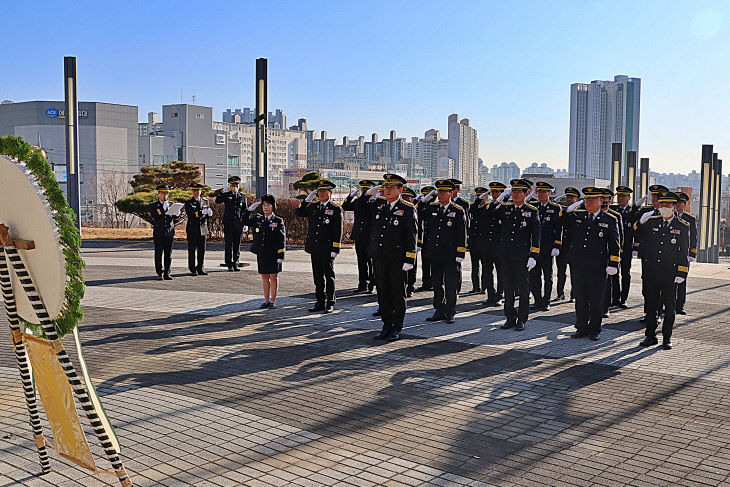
{"x": 111, "y": 186}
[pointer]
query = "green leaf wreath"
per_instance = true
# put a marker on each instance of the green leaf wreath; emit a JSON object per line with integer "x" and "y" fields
{"x": 69, "y": 236}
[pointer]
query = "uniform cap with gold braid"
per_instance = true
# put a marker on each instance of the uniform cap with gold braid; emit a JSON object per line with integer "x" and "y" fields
{"x": 667, "y": 197}
{"x": 683, "y": 196}
{"x": 571, "y": 191}
{"x": 497, "y": 186}
{"x": 196, "y": 186}
{"x": 234, "y": 179}
{"x": 543, "y": 185}
{"x": 623, "y": 190}
{"x": 408, "y": 192}
{"x": 520, "y": 185}
{"x": 427, "y": 189}
{"x": 393, "y": 179}
{"x": 445, "y": 185}
{"x": 656, "y": 188}
{"x": 366, "y": 183}
{"x": 455, "y": 182}
{"x": 163, "y": 188}
{"x": 311, "y": 176}
{"x": 592, "y": 192}
{"x": 326, "y": 184}
{"x": 607, "y": 193}
{"x": 480, "y": 190}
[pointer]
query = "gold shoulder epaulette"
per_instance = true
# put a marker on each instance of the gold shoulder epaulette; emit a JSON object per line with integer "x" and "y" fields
{"x": 334, "y": 203}
{"x": 685, "y": 223}
{"x": 407, "y": 203}
{"x": 457, "y": 206}
{"x": 530, "y": 206}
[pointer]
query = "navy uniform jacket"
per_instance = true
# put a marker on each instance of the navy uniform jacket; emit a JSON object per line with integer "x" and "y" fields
{"x": 269, "y": 235}
{"x": 163, "y": 225}
{"x": 619, "y": 222}
{"x": 394, "y": 233}
{"x": 593, "y": 243}
{"x": 446, "y": 232}
{"x": 234, "y": 208}
{"x": 551, "y": 227}
{"x": 664, "y": 249}
{"x": 520, "y": 231}
{"x": 464, "y": 206}
{"x": 484, "y": 227}
{"x": 197, "y": 224}
{"x": 629, "y": 215}
{"x": 421, "y": 208}
{"x": 692, "y": 233}
{"x": 324, "y": 233}
{"x": 637, "y": 234}
{"x": 361, "y": 226}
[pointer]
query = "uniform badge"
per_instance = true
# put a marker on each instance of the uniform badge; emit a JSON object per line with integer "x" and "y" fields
{"x": 600, "y": 234}
{"x": 547, "y": 218}
{"x": 257, "y": 229}
{"x": 159, "y": 212}
{"x": 524, "y": 223}
{"x": 395, "y": 222}
{"x": 329, "y": 212}
{"x": 526, "y": 213}
{"x": 398, "y": 213}
{"x": 674, "y": 240}
{"x": 273, "y": 225}
{"x": 377, "y": 216}
{"x": 448, "y": 223}
{"x": 604, "y": 225}
{"x": 326, "y": 220}
{"x": 452, "y": 214}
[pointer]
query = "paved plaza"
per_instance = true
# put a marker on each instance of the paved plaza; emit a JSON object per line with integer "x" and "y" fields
{"x": 206, "y": 389}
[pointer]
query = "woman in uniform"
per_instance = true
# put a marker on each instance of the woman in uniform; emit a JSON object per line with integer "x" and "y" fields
{"x": 269, "y": 244}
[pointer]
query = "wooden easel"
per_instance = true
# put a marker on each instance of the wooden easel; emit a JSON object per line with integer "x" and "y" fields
{"x": 9, "y": 256}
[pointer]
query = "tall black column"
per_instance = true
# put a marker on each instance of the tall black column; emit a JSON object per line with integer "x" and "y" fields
{"x": 262, "y": 125}
{"x": 714, "y": 253}
{"x": 630, "y": 179}
{"x": 72, "y": 137}
{"x": 615, "y": 165}
{"x": 644, "y": 176}
{"x": 706, "y": 183}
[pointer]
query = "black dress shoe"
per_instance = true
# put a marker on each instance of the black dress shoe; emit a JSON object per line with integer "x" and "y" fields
{"x": 330, "y": 308}
{"x": 193, "y": 273}
{"x": 623, "y": 305}
{"x": 643, "y": 319}
{"x": 272, "y": 306}
{"x": 594, "y": 336}
{"x": 559, "y": 297}
{"x": 425, "y": 288}
{"x": 681, "y": 312}
{"x": 371, "y": 288}
{"x": 236, "y": 269}
{"x": 361, "y": 289}
{"x": 667, "y": 345}
{"x": 475, "y": 291}
{"x": 230, "y": 269}
{"x": 520, "y": 325}
{"x": 436, "y": 317}
{"x": 393, "y": 336}
{"x": 167, "y": 277}
{"x": 579, "y": 334}
{"x": 202, "y": 272}
{"x": 648, "y": 342}
{"x": 381, "y": 336}
{"x": 409, "y": 294}
{"x": 449, "y": 320}
{"x": 606, "y": 315}
{"x": 546, "y": 307}
{"x": 571, "y": 300}
{"x": 508, "y": 324}
{"x": 377, "y": 313}
{"x": 317, "y": 308}
{"x": 159, "y": 277}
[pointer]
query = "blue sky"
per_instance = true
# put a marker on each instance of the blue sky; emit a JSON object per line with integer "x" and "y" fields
{"x": 360, "y": 67}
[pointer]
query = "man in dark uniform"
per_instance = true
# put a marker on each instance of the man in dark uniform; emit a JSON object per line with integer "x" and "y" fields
{"x": 593, "y": 256}
{"x": 490, "y": 227}
{"x": 445, "y": 248}
{"x": 235, "y": 204}
{"x": 613, "y": 288}
{"x": 357, "y": 202}
{"x": 408, "y": 195}
{"x": 464, "y": 204}
{"x": 629, "y": 214}
{"x": 664, "y": 251}
{"x": 427, "y": 194}
{"x": 561, "y": 261}
{"x": 196, "y": 229}
{"x": 163, "y": 232}
{"x": 652, "y": 210}
{"x": 324, "y": 237}
{"x": 683, "y": 215}
{"x": 519, "y": 248}
{"x": 476, "y": 232}
{"x": 550, "y": 215}
{"x": 393, "y": 249}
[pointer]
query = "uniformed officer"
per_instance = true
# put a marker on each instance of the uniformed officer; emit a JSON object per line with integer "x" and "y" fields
{"x": 593, "y": 256}
{"x": 445, "y": 247}
{"x": 683, "y": 215}
{"x": 393, "y": 249}
{"x": 427, "y": 194}
{"x": 664, "y": 252}
{"x": 163, "y": 232}
{"x": 235, "y": 203}
{"x": 653, "y": 210}
{"x": 613, "y": 288}
{"x": 464, "y": 204}
{"x": 408, "y": 195}
{"x": 198, "y": 211}
{"x": 519, "y": 248}
{"x": 629, "y": 214}
{"x": 561, "y": 261}
{"x": 357, "y": 202}
{"x": 324, "y": 237}
{"x": 550, "y": 215}
{"x": 269, "y": 245}
{"x": 476, "y": 233}
{"x": 490, "y": 228}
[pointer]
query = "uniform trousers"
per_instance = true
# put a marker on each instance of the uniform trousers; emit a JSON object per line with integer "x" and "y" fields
{"x": 323, "y": 272}
{"x": 425, "y": 271}
{"x": 590, "y": 282}
{"x": 543, "y": 270}
{"x": 561, "y": 262}
{"x": 411, "y": 277}
{"x": 625, "y": 275}
{"x": 681, "y": 295}
{"x": 233, "y": 244}
{"x": 196, "y": 245}
{"x": 494, "y": 265}
{"x": 364, "y": 263}
{"x": 445, "y": 277}
{"x": 661, "y": 291}
{"x": 478, "y": 255}
{"x": 163, "y": 246}
{"x": 391, "y": 294}
{"x": 515, "y": 281}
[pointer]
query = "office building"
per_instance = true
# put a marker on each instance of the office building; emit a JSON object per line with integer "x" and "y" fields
{"x": 505, "y": 172}
{"x": 463, "y": 148}
{"x": 536, "y": 168}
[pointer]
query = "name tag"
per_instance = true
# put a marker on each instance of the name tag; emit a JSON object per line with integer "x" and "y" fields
{"x": 273, "y": 225}
{"x": 329, "y": 212}
{"x": 604, "y": 225}
{"x": 674, "y": 230}
{"x": 452, "y": 214}
{"x": 550, "y": 211}
{"x": 526, "y": 213}
{"x": 398, "y": 213}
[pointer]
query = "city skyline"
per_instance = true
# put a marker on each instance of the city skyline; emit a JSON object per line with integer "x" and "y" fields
{"x": 507, "y": 68}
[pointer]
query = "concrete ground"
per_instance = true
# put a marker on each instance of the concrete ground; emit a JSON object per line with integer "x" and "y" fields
{"x": 206, "y": 389}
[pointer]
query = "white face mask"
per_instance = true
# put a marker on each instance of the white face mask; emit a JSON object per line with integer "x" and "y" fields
{"x": 666, "y": 212}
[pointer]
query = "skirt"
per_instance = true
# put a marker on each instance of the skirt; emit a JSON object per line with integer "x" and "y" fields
{"x": 268, "y": 265}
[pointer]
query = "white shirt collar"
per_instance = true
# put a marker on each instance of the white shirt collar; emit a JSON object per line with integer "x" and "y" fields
{"x": 393, "y": 203}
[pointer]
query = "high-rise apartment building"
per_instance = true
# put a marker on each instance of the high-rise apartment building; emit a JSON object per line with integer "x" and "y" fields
{"x": 601, "y": 113}
{"x": 463, "y": 148}
{"x": 505, "y": 172}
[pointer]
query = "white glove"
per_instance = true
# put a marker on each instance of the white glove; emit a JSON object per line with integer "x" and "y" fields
{"x": 531, "y": 263}
{"x": 429, "y": 196}
{"x": 310, "y": 196}
{"x": 691, "y": 259}
{"x": 208, "y": 212}
{"x": 504, "y": 194}
{"x": 459, "y": 259}
{"x": 418, "y": 198}
{"x": 555, "y": 252}
{"x": 642, "y": 200}
{"x": 352, "y": 195}
{"x": 574, "y": 205}
{"x": 373, "y": 190}
{"x": 418, "y": 249}
{"x": 253, "y": 206}
{"x": 333, "y": 255}
{"x": 484, "y": 195}
{"x": 645, "y": 217}
{"x": 407, "y": 267}
{"x": 245, "y": 228}
{"x": 678, "y": 280}
{"x": 634, "y": 253}
{"x": 611, "y": 271}
{"x": 279, "y": 261}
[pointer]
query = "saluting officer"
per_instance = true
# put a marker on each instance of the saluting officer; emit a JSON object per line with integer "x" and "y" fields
{"x": 490, "y": 227}
{"x": 561, "y": 261}
{"x": 445, "y": 247}
{"x": 393, "y": 249}
{"x": 652, "y": 210}
{"x": 550, "y": 215}
{"x": 163, "y": 232}
{"x": 408, "y": 195}
{"x": 427, "y": 194}
{"x": 664, "y": 252}
{"x": 613, "y": 288}
{"x": 324, "y": 237}
{"x": 629, "y": 214}
{"x": 593, "y": 256}
{"x": 683, "y": 215}
{"x": 198, "y": 211}
{"x": 235, "y": 203}
{"x": 519, "y": 248}
{"x": 477, "y": 233}
{"x": 357, "y": 202}
{"x": 464, "y": 204}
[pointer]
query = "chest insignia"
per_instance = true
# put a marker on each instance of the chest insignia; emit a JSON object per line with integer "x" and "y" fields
{"x": 603, "y": 225}
{"x": 448, "y": 223}
{"x": 674, "y": 240}
{"x": 526, "y": 213}
{"x": 326, "y": 220}
{"x": 398, "y": 213}
{"x": 395, "y": 222}
{"x": 329, "y": 212}
{"x": 451, "y": 215}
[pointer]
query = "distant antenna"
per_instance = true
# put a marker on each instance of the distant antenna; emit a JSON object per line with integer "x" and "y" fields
{"x": 193, "y": 99}
{"x": 181, "y": 96}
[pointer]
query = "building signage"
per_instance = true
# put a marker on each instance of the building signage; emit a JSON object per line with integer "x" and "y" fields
{"x": 338, "y": 174}
{"x": 220, "y": 139}
{"x": 53, "y": 113}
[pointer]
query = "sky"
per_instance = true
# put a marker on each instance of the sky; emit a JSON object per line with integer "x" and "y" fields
{"x": 354, "y": 68}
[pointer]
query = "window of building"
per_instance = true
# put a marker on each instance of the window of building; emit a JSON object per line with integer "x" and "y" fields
{"x": 198, "y": 115}
{"x": 233, "y": 161}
